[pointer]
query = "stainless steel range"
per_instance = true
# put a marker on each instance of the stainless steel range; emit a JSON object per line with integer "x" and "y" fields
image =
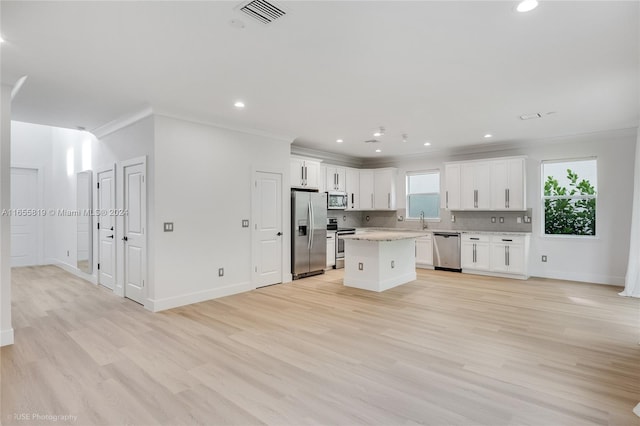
{"x": 332, "y": 225}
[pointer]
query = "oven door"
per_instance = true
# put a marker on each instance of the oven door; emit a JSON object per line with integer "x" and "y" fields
{"x": 340, "y": 248}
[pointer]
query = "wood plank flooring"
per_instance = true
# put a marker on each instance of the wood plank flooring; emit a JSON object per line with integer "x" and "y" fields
{"x": 447, "y": 349}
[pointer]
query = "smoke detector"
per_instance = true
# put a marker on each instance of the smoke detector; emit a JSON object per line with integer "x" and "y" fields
{"x": 262, "y": 11}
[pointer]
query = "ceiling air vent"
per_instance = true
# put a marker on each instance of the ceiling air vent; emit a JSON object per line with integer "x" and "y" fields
{"x": 262, "y": 11}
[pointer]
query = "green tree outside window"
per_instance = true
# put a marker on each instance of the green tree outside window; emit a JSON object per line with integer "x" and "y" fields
{"x": 569, "y": 210}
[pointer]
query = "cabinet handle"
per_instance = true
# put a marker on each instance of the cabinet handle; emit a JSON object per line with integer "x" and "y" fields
{"x": 506, "y": 255}
{"x": 446, "y": 197}
{"x": 474, "y": 239}
{"x": 475, "y": 255}
{"x": 371, "y": 200}
{"x": 508, "y": 198}
{"x": 302, "y": 175}
{"x": 388, "y": 200}
{"x": 507, "y": 239}
{"x": 475, "y": 198}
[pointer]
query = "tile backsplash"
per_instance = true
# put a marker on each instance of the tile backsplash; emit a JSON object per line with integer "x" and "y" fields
{"x": 464, "y": 220}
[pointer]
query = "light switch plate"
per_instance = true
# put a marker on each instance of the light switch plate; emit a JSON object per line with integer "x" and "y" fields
{"x": 245, "y": 223}
{"x": 518, "y": 219}
{"x": 527, "y": 219}
{"x": 493, "y": 219}
{"x": 221, "y": 272}
{"x": 360, "y": 266}
{"x": 168, "y": 227}
{"x": 502, "y": 220}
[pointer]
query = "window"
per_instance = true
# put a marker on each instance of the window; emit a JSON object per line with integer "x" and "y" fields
{"x": 569, "y": 191}
{"x": 423, "y": 194}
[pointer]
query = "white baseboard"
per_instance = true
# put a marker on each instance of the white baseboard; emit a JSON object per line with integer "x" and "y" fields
{"x": 6, "y": 337}
{"x": 157, "y": 305}
{"x": 587, "y": 278}
{"x": 73, "y": 270}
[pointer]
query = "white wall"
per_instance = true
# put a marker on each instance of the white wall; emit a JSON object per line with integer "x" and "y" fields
{"x": 600, "y": 260}
{"x": 6, "y": 329}
{"x": 203, "y": 186}
{"x": 133, "y": 141}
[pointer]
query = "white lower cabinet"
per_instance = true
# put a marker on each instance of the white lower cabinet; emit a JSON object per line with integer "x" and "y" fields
{"x": 424, "y": 252}
{"x": 331, "y": 249}
{"x": 475, "y": 252}
{"x": 495, "y": 254}
{"x": 508, "y": 254}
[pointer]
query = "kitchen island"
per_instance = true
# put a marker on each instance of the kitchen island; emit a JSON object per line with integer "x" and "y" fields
{"x": 380, "y": 260}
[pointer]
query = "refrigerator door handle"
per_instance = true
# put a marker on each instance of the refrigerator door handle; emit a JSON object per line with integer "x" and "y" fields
{"x": 313, "y": 218}
{"x": 309, "y": 226}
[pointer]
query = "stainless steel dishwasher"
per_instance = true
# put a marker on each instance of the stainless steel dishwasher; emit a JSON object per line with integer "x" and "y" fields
{"x": 446, "y": 251}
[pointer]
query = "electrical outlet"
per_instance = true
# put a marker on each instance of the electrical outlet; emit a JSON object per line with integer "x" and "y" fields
{"x": 245, "y": 223}
{"x": 360, "y": 266}
{"x": 527, "y": 219}
{"x": 453, "y": 218}
{"x": 544, "y": 257}
{"x": 493, "y": 219}
{"x": 502, "y": 220}
{"x": 400, "y": 218}
{"x": 168, "y": 227}
{"x": 221, "y": 272}
{"x": 518, "y": 219}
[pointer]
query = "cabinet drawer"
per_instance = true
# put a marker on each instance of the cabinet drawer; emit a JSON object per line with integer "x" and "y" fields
{"x": 475, "y": 238}
{"x": 508, "y": 239}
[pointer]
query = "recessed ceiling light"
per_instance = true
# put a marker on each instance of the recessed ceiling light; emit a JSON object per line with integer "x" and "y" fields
{"x": 527, "y": 5}
{"x": 239, "y": 104}
{"x": 378, "y": 150}
{"x": 488, "y": 135}
{"x": 339, "y": 140}
{"x": 427, "y": 144}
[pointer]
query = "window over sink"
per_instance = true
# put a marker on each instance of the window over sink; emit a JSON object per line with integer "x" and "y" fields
{"x": 423, "y": 194}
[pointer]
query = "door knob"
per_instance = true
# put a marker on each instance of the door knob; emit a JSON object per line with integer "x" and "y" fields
{"x": 279, "y": 234}
{"x": 125, "y": 238}
{"x": 109, "y": 236}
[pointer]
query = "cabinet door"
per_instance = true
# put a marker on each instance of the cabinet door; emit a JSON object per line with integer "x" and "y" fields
{"x": 517, "y": 188}
{"x": 366, "y": 189}
{"x": 467, "y": 255}
{"x": 475, "y": 186}
{"x": 297, "y": 173}
{"x": 324, "y": 179}
{"x": 499, "y": 257}
{"x": 384, "y": 189}
{"x": 452, "y": 187}
{"x": 508, "y": 184}
{"x": 312, "y": 174}
{"x": 331, "y": 252}
{"x": 424, "y": 251}
{"x": 340, "y": 179}
{"x": 352, "y": 187}
{"x": 515, "y": 256}
{"x": 483, "y": 256}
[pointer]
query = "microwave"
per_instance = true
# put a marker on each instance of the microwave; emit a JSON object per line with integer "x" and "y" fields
{"x": 336, "y": 200}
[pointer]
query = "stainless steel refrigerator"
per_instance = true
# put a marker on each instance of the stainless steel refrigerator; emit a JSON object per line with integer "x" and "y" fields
{"x": 309, "y": 233}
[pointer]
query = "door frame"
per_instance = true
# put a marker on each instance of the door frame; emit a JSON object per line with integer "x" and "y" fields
{"x": 96, "y": 234}
{"x": 285, "y": 272}
{"x": 40, "y": 226}
{"x": 120, "y": 249}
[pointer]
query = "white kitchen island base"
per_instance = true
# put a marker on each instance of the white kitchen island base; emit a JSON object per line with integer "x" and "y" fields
{"x": 379, "y": 261}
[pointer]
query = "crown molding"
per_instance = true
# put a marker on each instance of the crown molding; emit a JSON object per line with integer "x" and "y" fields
{"x": 213, "y": 123}
{"x": 122, "y": 122}
{"x": 328, "y": 157}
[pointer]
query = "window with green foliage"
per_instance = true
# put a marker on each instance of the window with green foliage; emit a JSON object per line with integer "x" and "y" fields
{"x": 423, "y": 194}
{"x": 569, "y": 191}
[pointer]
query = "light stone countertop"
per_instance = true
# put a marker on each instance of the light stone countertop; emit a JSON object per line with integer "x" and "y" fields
{"x": 385, "y": 235}
{"x": 432, "y": 230}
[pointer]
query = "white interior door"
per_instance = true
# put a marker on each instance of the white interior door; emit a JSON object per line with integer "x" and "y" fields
{"x": 267, "y": 225}
{"x": 106, "y": 229}
{"x": 134, "y": 236}
{"x": 24, "y": 226}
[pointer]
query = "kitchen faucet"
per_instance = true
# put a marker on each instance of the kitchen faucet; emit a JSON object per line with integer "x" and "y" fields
{"x": 424, "y": 224}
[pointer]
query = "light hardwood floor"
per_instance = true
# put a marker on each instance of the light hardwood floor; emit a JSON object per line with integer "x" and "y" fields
{"x": 445, "y": 349}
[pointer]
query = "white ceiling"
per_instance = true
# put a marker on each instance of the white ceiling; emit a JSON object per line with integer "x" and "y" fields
{"x": 446, "y": 72}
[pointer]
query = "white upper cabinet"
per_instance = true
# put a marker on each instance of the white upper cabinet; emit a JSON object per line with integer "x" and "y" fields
{"x": 352, "y": 187}
{"x": 366, "y": 190}
{"x": 335, "y": 179}
{"x": 508, "y": 184}
{"x": 305, "y": 173}
{"x": 384, "y": 184}
{"x": 475, "y": 186}
{"x": 452, "y": 186}
{"x": 493, "y": 184}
